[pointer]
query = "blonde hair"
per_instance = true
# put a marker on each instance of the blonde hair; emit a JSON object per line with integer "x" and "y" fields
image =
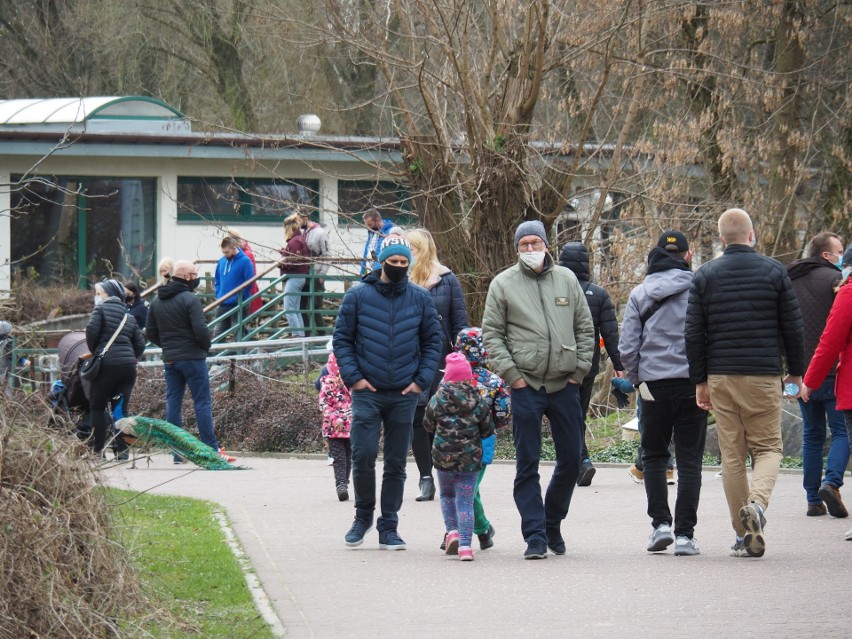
{"x": 291, "y": 225}
{"x": 166, "y": 264}
{"x": 230, "y": 231}
{"x": 427, "y": 256}
{"x": 735, "y": 226}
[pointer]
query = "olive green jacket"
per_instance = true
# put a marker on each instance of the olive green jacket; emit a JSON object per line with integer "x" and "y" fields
{"x": 538, "y": 326}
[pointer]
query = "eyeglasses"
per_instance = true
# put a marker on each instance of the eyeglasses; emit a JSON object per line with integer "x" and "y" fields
{"x": 192, "y": 274}
{"x": 530, "y": 246}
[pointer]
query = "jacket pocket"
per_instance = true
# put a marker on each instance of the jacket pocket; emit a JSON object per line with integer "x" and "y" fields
{"x": 529, "y": 360}
{"x": 566, "y": 358}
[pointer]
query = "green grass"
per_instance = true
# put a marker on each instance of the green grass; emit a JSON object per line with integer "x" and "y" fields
{"x": 186, "y": 568}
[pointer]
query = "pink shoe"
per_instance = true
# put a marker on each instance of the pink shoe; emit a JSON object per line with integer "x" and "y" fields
{"x": 452, "y": 542}
{"x": 466, "y": 553}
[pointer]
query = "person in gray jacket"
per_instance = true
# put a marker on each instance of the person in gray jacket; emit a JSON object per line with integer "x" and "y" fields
{"x": 653, "y": 352}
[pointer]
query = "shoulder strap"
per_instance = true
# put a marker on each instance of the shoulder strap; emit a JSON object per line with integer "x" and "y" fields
{"x": 114, "y": 335}
{"x": 653, "y": 308}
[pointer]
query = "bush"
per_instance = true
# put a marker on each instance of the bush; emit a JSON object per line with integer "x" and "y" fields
{"x": 63, "y": 576}
{"x": 272, "y": 412}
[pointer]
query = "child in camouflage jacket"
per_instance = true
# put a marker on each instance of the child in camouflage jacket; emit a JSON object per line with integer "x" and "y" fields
{"x": 492, "y": 387}
{"x": 460, "y": 418}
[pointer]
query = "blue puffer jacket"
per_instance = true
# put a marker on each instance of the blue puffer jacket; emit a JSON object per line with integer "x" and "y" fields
{"x": 387, "y": 334}
{"x": 452, "y": 312}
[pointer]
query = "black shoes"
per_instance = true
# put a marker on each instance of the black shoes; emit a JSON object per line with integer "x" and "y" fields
{"x": 536, "y": 550}
{"x": 555, "y": 541}
{"x": 587, "y": 471}
{"x": 427, "y": 489}
{"x": 342, "y": 493}
{"x": 486, "y": 539}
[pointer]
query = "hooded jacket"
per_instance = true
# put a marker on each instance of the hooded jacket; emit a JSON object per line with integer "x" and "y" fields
{"x": 836, "y": 340}
{"x": 814, "y": 280}
{"x": 387, "y": 333}
{"x": 460, "y": 418}
{"x": 230, "y": 273}
{"x": 335, "y": 402}
{"x": 657, "y": 350}
{"x": 537, "y": 326}
{"x": 176, "y": 323}
{"x": 575, "y": 256}
{"x": 127, "y": 347}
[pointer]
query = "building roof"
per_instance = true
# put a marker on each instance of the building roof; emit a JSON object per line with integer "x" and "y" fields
{"x": 137, "y": 114}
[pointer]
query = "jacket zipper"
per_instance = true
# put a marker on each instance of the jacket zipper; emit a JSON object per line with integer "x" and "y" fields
{"x": 546, "y": 325}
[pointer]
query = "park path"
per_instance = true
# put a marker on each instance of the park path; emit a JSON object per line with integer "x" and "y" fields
{"x": 288, "y": 519}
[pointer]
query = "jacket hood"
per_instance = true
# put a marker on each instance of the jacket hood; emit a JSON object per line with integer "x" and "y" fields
{"x": 174, "y": 287}
{"x": 664, "y": 283}
{"x": 575, "y": 256}
{"x": 331, "y": 365}
{"x": 458, "y": 397}
{"x": 661, "y": 260}
{"x": 385, "y": 288}
{"x": 469, "y": 343}
{"x": 800, "y": 268}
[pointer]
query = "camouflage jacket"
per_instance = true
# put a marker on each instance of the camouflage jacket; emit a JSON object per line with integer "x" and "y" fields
{"x": 460, "y": 418}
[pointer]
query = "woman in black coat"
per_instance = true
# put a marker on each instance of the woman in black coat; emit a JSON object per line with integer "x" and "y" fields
{"x": 118, "y": 368}
{"x": 428, "y": 272}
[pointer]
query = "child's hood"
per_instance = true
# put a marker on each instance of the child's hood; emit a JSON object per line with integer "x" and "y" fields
{"x": 458, "y": 397}
{"x": 331, "y": 365}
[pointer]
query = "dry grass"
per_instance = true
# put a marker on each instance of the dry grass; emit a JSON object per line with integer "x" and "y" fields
{"x": 63, "y": 574}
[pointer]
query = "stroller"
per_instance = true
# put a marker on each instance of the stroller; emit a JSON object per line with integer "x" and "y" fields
{"x": 70, "y": 395}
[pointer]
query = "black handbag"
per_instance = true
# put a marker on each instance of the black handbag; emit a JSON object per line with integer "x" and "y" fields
{"x": 91, "y": 368}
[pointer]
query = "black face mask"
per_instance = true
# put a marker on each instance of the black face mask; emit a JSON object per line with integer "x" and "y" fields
{"x": 394, "y": 273}
{"x": 304, "y": 226}
{"x": 193, "y": 284}
{"x": 129, "y": 300}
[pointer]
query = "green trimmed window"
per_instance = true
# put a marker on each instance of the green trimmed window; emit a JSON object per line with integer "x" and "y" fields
{"x": 392, "y": 200}
{"x": 245, "y": 199}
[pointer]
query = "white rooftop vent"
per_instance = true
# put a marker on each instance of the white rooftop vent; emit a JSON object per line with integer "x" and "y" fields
{"x": 308, "y": 124}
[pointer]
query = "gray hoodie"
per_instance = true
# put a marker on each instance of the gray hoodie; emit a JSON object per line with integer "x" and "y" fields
{"x": 657, "y": 351}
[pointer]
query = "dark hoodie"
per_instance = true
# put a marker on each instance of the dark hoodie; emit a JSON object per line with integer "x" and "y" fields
{"x": 176, "y": 323}
{"x": 814, "y": 280}
{"x": 575, "y": 256}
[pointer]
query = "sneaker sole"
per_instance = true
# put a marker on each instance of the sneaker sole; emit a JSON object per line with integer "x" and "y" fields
{"x": 833, "y": 505}
{"x": 452, "y": 547}
{"x": 466, "y": 558}
{"x": 661, "y": 544}
{"x": 754, "y": 542}
{"x": 635, "y": 479}
{"x": 343, "y": 496}
{"x": 686, "y": 552}
{"x": 558, "y": 550}
{"x": 537, "y": 555}
{"x": 585, "y": 478}
{"x": 353, "y": 544}
{"x": 392, "y": 546}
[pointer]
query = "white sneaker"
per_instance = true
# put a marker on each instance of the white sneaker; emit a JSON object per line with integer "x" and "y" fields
{"x": 329, "y": 461}
{"x": 684, "y": 546}
{"x": 661, "y": 538}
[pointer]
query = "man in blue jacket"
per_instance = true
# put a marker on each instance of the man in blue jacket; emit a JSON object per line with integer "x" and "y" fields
{"x": 233, "y": 268}
{"x": 387, "y": 341}
{"x": 377, "y": 230}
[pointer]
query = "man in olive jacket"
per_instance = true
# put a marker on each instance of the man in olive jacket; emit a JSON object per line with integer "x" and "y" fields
{"x": 540, "y": 338}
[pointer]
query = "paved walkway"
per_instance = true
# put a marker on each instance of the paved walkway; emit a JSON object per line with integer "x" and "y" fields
{"x": 287, "y": 516}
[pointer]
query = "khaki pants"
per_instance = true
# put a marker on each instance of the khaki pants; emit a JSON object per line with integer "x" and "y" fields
{"x": 748, "y": 417}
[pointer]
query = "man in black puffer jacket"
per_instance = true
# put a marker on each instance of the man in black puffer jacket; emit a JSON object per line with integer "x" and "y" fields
{"x": 742, "y": 317}
{"x": 814, "y": 280}
{"x": 176, "y": 324}
{"x": 575, "y": 256}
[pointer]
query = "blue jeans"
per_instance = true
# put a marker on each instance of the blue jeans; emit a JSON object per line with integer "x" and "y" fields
{"x": 192, "y": 373}
{"x": 293, "y": 288}
{"x": 370, "y": 412}
{"x": 566, "y": 424}
{"x": 815, "y": 414}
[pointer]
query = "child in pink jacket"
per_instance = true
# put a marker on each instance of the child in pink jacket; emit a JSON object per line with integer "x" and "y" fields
{"x": 336, "y": 406}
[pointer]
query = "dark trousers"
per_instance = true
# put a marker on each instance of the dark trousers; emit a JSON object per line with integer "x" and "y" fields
{"x": 566, "y": 424}
{"x": 305, "y": 305}
{"x": 421, "y": 443}
{"x": 373, "y": 413}
{"x": 586, "y": 389}
{"x": 673, "y": 414}
{"x": 112, "y": 381}
{"x": 228, "y": 322}
{"x": 192, "y": 373}
{"x": 340, "y": 448}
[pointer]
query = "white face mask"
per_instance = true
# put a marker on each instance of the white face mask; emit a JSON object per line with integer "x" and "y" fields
{"x": 846, "y": 271}
{"x": 98, "y": 300}
{"x": 533, "y": 259}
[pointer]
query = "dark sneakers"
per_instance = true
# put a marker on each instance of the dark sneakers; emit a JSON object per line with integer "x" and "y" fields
{"x": 831, "y": 496}
{"x": 587, "y": 472}
{"x": 816, "y": 510}
{"x": 536, "y": 550}
{"x": 555, "y": 541}
{"x": 390, "y": 540}
{"x": 343, "y": 492}
{"x": 753, "y": 520}
{"x": 355, "y": 536}
{"x": 486, "y": 539}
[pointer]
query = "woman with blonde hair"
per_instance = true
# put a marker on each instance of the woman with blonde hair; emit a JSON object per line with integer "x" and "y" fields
{"x": 165, "y": 269}
{"x": 428, "y": 272}
{"x": 295, "y": 264}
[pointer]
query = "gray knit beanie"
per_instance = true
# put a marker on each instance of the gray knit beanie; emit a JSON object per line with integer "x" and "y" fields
{"x": 531, "y": 227}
